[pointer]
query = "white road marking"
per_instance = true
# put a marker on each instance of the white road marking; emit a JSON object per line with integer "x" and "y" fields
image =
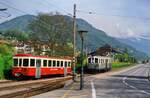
{"x": 93, "y": 90}
{"x": 124, "y": 81}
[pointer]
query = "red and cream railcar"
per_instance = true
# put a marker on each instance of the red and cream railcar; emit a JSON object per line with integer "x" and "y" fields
{"x": 37, "y": 66}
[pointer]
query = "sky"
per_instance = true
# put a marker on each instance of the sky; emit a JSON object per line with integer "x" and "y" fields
{"x": 118, "y": 18}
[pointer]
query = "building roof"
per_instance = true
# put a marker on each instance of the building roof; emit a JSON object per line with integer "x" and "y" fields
{"x": 104, "y": 51}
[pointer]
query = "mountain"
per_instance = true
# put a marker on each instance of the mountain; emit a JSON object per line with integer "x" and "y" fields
{"x": 140, "y": 44}
{"x": 20, "y": 23}
{"x": 93, "y": 39}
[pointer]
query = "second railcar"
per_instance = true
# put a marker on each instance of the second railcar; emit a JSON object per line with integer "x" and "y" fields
{"x": 99, "y": 63}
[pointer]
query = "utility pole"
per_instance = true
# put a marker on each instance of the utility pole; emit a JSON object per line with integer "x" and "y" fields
{"x": 74, "y": 41}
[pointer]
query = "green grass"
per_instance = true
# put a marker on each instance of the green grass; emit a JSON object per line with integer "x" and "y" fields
{"x": 118, "y": 65}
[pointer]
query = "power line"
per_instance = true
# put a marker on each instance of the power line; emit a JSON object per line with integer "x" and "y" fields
{"x": 103, "y": 14}
{"x": 59, "y": 8}
{"x": 8, "y": 15}
{"x": 24, "y": 13}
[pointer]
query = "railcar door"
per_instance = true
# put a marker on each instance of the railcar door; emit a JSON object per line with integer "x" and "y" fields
{"x": 106, "y": 64}
{"x": 65, "y": 69}
{"x": 38, "y": 68}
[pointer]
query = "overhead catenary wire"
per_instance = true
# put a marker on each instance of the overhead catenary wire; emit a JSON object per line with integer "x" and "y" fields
{"x": 59, "y": 8}
{"x": 41, "y": 21}
{"x": 8, "y": 15}
{"x": 116, "y": 15}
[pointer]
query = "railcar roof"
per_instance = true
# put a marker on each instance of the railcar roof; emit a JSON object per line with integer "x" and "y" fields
{"x": 54, "y": 57}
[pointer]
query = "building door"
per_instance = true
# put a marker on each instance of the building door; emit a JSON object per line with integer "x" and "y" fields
{"x": 38, "y": 68}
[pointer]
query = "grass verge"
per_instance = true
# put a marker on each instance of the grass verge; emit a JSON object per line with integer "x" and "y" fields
{"x": 121, "y": 65}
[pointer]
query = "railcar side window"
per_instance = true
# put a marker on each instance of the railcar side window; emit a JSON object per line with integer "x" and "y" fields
{"x": 25, "y": 62}
{"x": 69, "y": 64}
{"x": 61, "y": 64}
{"x": 44, "y": 63}
{"x": 32, "y": 62}
{"x": 65, "y": 64}
{"x": 96, "y": 60}
{"x": 54, "y": 63}
{"x": 20, "y": 62}
{"x": 49, "y": 63}
{"x": 58, "y": 63}
{"x": 15, "y": 62}
{"x": 89, "y": 60}
{"x": 99, "y": 60}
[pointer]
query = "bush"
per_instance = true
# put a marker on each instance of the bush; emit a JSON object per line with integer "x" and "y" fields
{"x": 5, "y": 59}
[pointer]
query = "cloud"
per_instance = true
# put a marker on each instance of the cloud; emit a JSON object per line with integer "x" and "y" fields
{"x": 122, "y": 27}
{"x": 130, "y": 33}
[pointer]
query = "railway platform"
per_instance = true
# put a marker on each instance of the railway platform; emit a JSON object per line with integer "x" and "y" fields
{"x": 70, "y": 90}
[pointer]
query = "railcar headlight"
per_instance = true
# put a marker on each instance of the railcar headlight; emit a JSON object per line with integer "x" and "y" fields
{"x": 17, "y": 74}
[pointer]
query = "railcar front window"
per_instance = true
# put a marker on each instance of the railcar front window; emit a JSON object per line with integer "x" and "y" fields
{"x": 15, "y": 62}
{"x": 20, "y": 62}
{"x": 25, "y": 62}
{"x": 89, "y": 60}
{"x": 32, "y": 62}
{"x": 96, "y": 60}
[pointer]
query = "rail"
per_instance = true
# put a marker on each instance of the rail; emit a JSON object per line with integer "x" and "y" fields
{"x": 29, "y": 89}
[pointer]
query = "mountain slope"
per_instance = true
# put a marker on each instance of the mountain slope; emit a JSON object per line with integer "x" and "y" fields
{"x": 20, "y": 23}
{"x": 94, "y": 38}
{"x": 140, "y": 44}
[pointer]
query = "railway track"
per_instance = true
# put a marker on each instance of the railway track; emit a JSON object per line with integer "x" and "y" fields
{"x": 25, "y": 89}
{"x": 5, "y": 81}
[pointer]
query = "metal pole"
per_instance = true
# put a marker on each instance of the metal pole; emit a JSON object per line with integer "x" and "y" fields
{"x": 74, "y": 41}
{"x": 81, "y": 75}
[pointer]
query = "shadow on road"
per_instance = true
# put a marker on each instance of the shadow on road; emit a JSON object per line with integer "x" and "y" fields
{"x": 131, "y": 76}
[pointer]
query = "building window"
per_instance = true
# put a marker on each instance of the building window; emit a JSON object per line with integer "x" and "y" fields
{"x": 25, "y": 62}
{"x": 32, "y": 62}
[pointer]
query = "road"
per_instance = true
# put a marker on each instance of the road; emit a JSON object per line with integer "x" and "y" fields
{"x": 130, "y": 83}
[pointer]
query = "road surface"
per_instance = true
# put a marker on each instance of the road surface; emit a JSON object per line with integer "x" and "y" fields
{"x": 131, "y": 83}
